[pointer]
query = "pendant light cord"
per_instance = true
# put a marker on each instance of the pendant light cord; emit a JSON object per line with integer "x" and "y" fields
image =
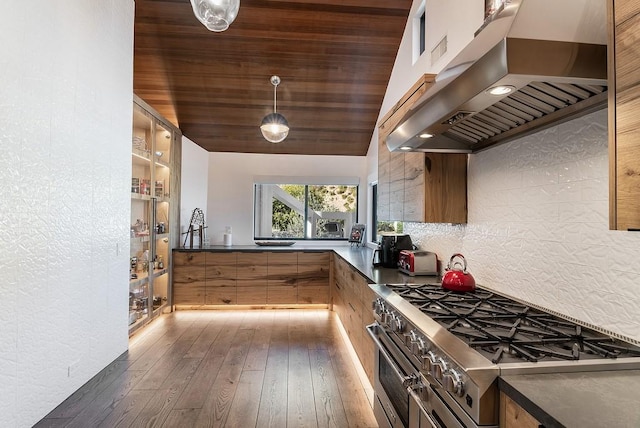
{"x": 275, "y": 88}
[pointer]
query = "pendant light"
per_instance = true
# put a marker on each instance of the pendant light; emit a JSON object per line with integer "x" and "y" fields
{"x": 274, "y": 126}
{"x": 216, "y": 15}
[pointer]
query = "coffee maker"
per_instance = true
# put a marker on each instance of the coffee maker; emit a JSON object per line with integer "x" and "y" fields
{"x": 388, "y": 251}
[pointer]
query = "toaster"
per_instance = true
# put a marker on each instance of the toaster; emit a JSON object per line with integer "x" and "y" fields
{"x": 418, "y": 262}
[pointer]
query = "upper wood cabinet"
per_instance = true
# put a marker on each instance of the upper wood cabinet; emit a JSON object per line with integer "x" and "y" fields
{"x": 414, "y": 186}
{"x": 624, "y": 120}
{"x": 445, "y": 188}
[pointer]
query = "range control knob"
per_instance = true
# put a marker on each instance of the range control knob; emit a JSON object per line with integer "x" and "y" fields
{"x": 389, "y": 318}
{"x": 428, "y": 361}
{"x": 453, "y": 383}
{"x": 410, "y": 339}
{"x": 423, "y": 346}
{"x": 439, "y": 368}
{"x": 399, "y": 324}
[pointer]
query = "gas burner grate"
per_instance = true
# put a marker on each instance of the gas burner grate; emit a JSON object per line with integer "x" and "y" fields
{"x": 505, "y": 330}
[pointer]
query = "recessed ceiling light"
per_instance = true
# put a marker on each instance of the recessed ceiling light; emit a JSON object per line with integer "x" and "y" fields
{"x": 425, "y": 135}
{"x": 405, "y": 148}
{"x": 501, "y": 90}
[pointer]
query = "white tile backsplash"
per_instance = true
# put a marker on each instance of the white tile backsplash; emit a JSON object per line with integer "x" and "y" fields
{"x": 538, "y": 227}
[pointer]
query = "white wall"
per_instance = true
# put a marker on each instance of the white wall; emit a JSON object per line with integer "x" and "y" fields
{"x": 65, "y": 166}
{"x": 538, "y": 227}
{"x": 230, "y": 201}
{"x": 194, "y": 185}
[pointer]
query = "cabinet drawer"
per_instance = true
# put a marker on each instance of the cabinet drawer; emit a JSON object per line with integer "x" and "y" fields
{"x": 252, "y": 266}
{"x": 220, "y": 293}
{"x": 192, "y": 293}
{"x": 313, "y": 269}
{"x": 188, "y": 274}
{"x": 285, "y": 258}
{"x": 188, "y": 258}
{"x": 336, "y": 298}
{"x": 282, "y": 294}
{"x": 313, "y": 294}
{"x": 219, "y": 271}
{"x": 322, "y": 257}
{"x": 341, "y": 270}
{"x": 514, "y": 416}
{"x": 252, "y": 295}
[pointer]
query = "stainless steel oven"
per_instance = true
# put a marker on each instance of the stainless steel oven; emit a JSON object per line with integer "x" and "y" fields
{"x": 401, "y": 392}
{"x": 459, "y": 343}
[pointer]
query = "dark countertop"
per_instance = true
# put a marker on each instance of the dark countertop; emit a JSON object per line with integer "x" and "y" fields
{"x": 580, "y": 400}
{"x": 360, "y": 258}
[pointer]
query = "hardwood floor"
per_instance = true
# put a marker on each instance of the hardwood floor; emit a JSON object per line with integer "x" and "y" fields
{"x": 261, "y": 368}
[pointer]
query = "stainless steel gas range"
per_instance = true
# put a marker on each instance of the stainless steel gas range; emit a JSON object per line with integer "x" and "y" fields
{"x": 440, "y": 353}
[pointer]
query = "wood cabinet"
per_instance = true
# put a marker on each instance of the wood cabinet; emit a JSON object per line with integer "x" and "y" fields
{"x": 256, "y": 278}
{"x": 314, "y": 270}
{"x": 624, "y": 121}
{"x": 189, "y": 278}
{"x": 383, "y": 193}
{"x": 445, "y": 188}
{"x": 282, "y": 277}
{"x": 221, "y": 274}
{"x": 252, "y": 278}
{"x": 352, "y": 298}
{"x": 514, "y": 416}
{"x": 414, "y": 186}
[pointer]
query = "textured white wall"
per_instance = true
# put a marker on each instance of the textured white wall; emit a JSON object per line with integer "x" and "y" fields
{"x": 230, "y": 201}
{"x": 194, "y": 185}
{"x": 538, "y": 227}
{"x": 65, "y": 165}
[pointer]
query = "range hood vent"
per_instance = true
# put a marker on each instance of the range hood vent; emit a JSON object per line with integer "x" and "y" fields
{"x": 530, "y": 103}
{"x": 550, "y": 77}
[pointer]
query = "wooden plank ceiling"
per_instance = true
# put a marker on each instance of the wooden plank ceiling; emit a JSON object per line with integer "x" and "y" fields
{"x": 334, "y": 58}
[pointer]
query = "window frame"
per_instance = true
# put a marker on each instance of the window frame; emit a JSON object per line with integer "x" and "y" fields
{"x": 306, "y": 182}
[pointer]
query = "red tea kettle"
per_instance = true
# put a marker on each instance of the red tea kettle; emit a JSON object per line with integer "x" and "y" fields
{"x": 456, "y": 278}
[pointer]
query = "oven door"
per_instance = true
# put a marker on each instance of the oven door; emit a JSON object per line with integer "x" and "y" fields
{"x": 395, "y": 404}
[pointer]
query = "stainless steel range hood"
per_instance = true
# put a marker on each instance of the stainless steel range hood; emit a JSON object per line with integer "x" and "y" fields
{"x": 551, "y": 54}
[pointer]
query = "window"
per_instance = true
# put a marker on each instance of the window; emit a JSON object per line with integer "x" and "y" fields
{"x": 381, "y": 226}
{"x": 423, "y": 27}
{"x": 304, "y": 211}
{"x": 374, "y": 212}
{"x": 419, "y": 32}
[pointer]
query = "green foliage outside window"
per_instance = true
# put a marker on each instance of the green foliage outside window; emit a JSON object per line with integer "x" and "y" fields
{"x": 321, "y": 198}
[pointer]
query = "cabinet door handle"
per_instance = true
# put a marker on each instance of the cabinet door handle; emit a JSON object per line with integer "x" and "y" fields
{"x": 352, "y": 308}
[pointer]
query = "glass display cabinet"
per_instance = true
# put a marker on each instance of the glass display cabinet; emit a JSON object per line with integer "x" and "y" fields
{"x": 154, "y": 213}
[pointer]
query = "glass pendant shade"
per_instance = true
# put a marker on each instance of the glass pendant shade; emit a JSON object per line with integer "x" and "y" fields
{"x": 274, "y": 127}
{"x": 216, "y": 15}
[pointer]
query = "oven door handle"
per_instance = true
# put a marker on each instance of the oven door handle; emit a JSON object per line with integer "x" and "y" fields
{"x": 407, "y": 381}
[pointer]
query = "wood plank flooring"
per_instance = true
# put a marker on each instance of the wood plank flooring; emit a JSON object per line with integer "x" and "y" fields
{"x": 260, "y": 368}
